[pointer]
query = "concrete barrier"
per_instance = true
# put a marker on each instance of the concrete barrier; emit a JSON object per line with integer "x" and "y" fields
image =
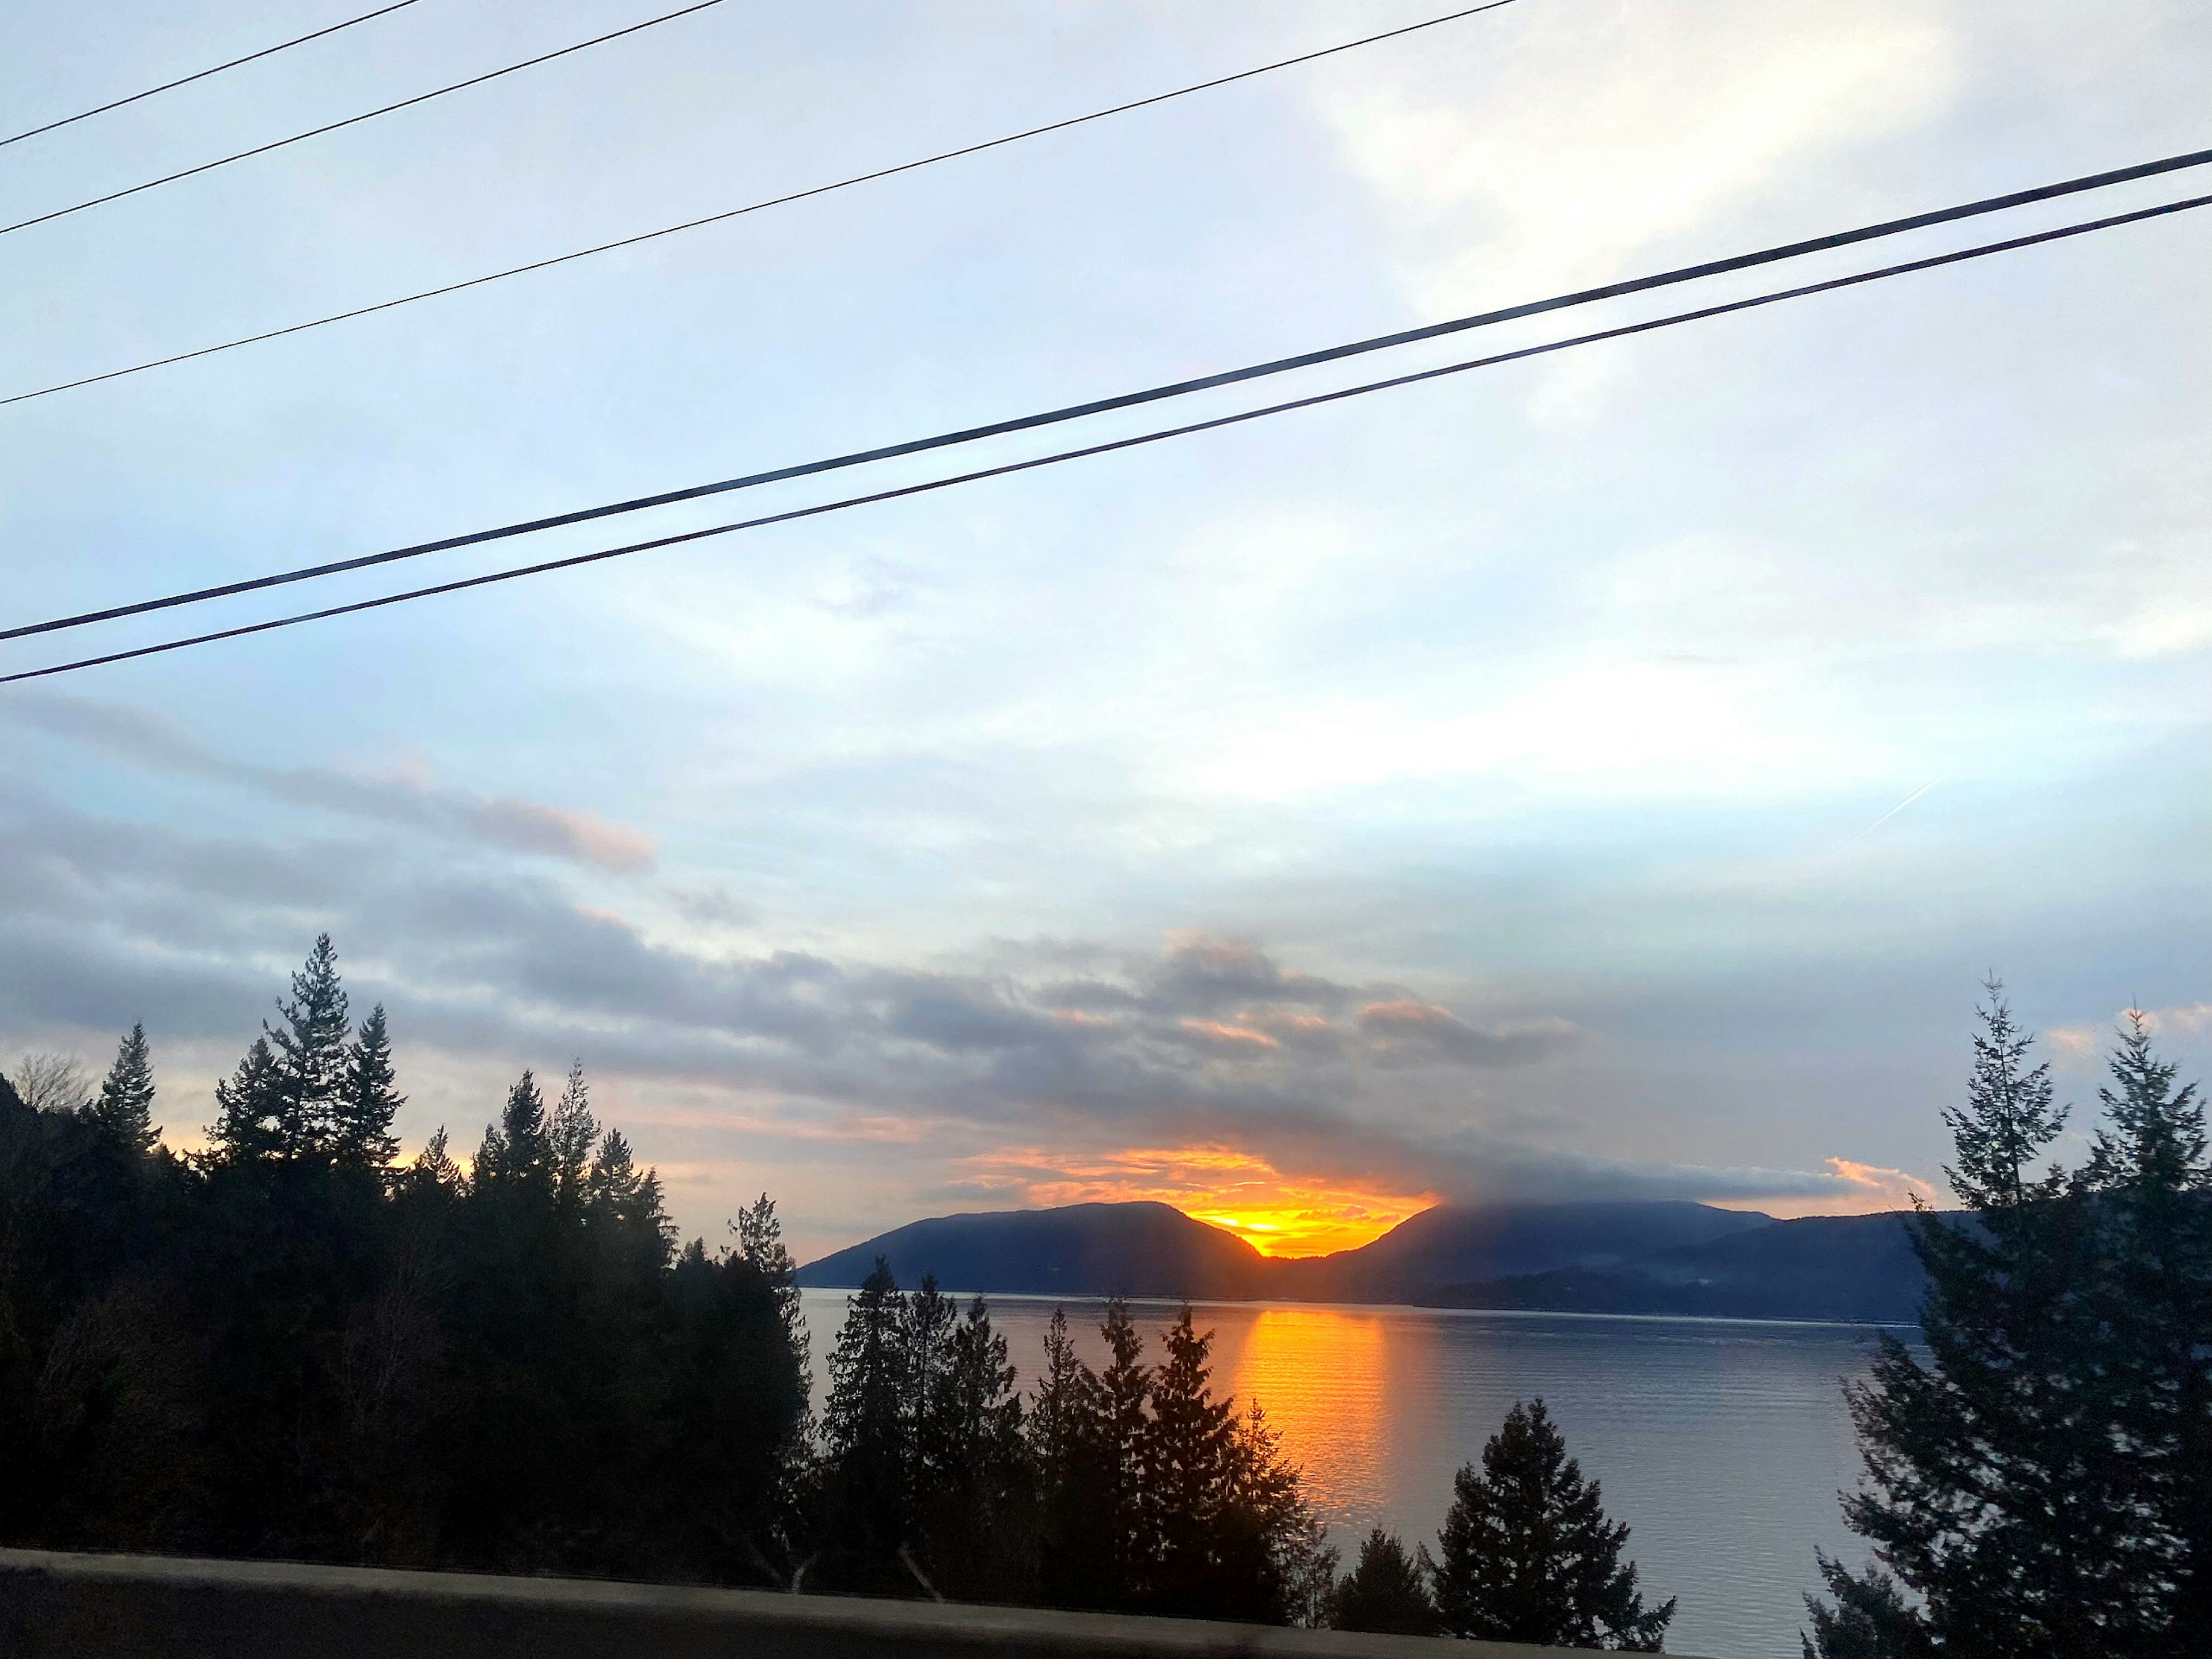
{"x": 92, "y": 1607}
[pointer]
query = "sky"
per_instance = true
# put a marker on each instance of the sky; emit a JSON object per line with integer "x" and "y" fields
{"x": 1608, "y": 775}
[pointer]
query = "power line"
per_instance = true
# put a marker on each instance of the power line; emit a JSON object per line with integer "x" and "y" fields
{"x": 355, "y": 120}
{"x": 756, "y": 207}
{"x": 1131, "y": 399}
{"x": 202, "y": 74}
{"x": 1317, "y": 400}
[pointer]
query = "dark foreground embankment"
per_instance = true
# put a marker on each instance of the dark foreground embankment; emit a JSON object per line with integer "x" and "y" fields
{"x": 91, "y": 1606}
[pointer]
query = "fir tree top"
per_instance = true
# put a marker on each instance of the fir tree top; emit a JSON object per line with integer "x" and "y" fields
{"x": 310, "y": 1048}
{"x": 125, "y": 1108}
{"x": 2155, "y": 1137}
{"x": 367, "y": 1102}
{"x": 2009, "y": 1117}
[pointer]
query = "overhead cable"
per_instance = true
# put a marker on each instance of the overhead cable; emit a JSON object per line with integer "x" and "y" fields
{"x": 1131, "y": 399}
{"x": 355, "y": 120}
{"x": 1317, "y": 400}
{"x": 757, "y": 207}
{"x": 202, "y": 74}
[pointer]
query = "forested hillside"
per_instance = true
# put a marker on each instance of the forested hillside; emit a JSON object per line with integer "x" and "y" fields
{"x": 293, "y": 1344}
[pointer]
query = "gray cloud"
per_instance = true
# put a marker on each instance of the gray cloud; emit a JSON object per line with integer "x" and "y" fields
{"x": 1205, "y": 1042}
{"x": 154, "y": 743}
{"x": 711, "y": 907}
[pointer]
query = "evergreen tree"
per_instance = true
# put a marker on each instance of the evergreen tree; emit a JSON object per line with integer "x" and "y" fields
{"x": 1387, "y": 1591}
{"x": 1124, "y": 1427}
{"x": 1294, "y": 1568}
{"x": 1195, "y": 1563}
{"x": 867, "y": 1512}
{"x": 310, "y": 1049}
{"x": 1527, "y": 1554}
{"x": 570, "y": 1137}
{"x": 1069, "y": 1435}
{"x": 2150, "y": 1182}
{"x": 516, "y": 1156}
{"x": 2011, "y": 1483}
{"x": 975, "y": 1504}
{"x": 2007, "y": 1120}
{"x": 624, "y": 1203}
{"x": 761, "y": 1249}
{"x": 435, "y": 1166}
{"x": 125, "y": 1108}
{"x": 928, "y": 1424}
{"x": 1870, "y": 1618}
{"x": 249, "y": 1113}
{"x": 760, "y": 1244}
{"x": 366, "y": 1103}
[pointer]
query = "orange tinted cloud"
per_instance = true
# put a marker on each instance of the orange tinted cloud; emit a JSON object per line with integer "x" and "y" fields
{"x": 1214, "y": 1031}
{"x": 1872, "y": 1187}
{"x": 1236, "y": 1191}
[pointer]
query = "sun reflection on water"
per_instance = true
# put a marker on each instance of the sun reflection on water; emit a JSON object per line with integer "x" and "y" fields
{"x": 1324, "y": 1377}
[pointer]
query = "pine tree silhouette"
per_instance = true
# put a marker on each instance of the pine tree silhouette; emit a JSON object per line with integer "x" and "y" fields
{"x": 310, "y": 1050}
{"x": 250, "y": 1107}
{"x": 2038, "y": 1484}
{"x": 367, "y": 1102}
{"x": 868, "y": 1513}
{"x": 569, "y": 1138}
{"x": 1124, "y": 1388}
{"x": 1188, "y": 1457}
{"x": 1995, "y": 1486}
{"x": 125, "y": 1107}
{"x": 2151, "y": 1185}
{"x": 1527, "y": 1554}
{"x": 1387, "y": 1590}
{"x": 1069, "y": 1439}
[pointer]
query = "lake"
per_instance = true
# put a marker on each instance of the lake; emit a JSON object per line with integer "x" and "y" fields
{"x": 1720, "y": 1442}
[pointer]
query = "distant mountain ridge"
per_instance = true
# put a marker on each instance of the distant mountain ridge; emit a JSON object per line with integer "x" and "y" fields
{"x": 1651, "y": 1258}
{"x": 1139, "y": 1249}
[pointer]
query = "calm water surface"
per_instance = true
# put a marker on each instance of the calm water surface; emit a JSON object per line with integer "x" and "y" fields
{"x": 1720, "y": 1442}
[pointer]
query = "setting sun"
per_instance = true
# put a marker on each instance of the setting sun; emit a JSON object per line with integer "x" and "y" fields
{"x": 1278, "y": 1215}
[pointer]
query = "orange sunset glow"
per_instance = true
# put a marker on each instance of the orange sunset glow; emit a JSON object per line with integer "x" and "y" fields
{"x": 1276, "y": 1214}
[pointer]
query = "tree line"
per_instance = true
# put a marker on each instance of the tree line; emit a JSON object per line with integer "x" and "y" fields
{"x": 291, "y": 1344}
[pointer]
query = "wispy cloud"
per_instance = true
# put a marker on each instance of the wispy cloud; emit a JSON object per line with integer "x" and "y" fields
{"x": 154, "y": 743}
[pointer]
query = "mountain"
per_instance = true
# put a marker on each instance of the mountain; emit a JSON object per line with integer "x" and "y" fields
{"x": 1852, "y": 1267}
{"x": 1141, "y": 1249}
{"x": 1456, "y": 1243}
{"x": 1155, "y": 1251}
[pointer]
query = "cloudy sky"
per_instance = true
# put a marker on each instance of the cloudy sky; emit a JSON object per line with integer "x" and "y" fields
{"x": 1604, "y": 775}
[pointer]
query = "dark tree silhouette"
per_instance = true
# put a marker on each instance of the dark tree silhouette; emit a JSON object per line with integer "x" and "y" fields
{"x": 1122, "y": 1391}
{"x": 310, "y": 1049}
{"x": 123, "y": 1109}
{"x": 1387, "y": 1590}
{"x": 2151, "y": 1186}
{"x": 249, "y": 1110}
{"x": 1079, "y": 1545}
{"x": 1198, "y": 1560}
{"x": 286, "y": 1347}
{"x": 366, "y": 1103}
{"x": 1527, "y": 1554}
{"x": 2039, "y": 1486}
{"x": 975, "y": 1495}
{"x": 865, "y": 1510}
